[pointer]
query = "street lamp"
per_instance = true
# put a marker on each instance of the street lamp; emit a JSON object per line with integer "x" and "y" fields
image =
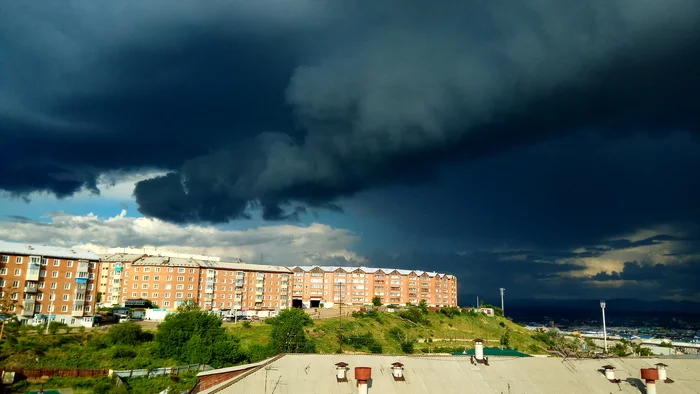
{"x": 48, "y": 318}
{"x": 605, "y": 332}
{"x": 502, "y": 308}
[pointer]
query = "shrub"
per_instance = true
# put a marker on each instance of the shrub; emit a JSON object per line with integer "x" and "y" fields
{"x": 246, "y": 324}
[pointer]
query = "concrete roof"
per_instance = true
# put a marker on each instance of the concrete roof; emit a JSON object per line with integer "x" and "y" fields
{"x": 314, "y": 373}
{"x": 249, "y": 267}
{"x": 367, "y": 270}
{"x": 120, "y": 257}
{"x": 31, "y": 249}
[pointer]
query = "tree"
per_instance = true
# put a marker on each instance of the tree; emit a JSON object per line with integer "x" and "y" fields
{"x": 128, "y": 333}
{"x": 505, "y": 338}
{"x": 423, "y": 305}
{"x": 377, "y": 301}
{"x": 196, "y": 336}
{"x": 288, "y": 335}
{"x": 7, "y": 306}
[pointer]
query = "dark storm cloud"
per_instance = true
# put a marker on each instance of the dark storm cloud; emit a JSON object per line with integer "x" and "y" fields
{"x": 528, "y": 274}
{"x": 383, "y": 92}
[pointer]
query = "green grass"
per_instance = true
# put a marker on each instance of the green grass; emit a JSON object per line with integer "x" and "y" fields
{"x": 101, "y": 385}
{"x": 156, "y": 385}
{"x": 456, "y": 333}
{"x": 256, "y": 333}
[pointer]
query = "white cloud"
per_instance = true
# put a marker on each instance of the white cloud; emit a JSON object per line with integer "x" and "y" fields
{"x": 282, "y": 244}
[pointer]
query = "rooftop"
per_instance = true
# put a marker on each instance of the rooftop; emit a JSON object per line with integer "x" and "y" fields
{"x": 24, "y": 249}
{"x": 146, "y": 260}
{"x": 367, "y": 270}
{"x": 315, "y": 373}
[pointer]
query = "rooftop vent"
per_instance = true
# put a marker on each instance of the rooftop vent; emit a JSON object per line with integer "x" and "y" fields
{"x": 341, "y": 369}
{"x": 661, "y": 367}
{"x": 610, "y": 373}
{"x": 650, "y": 376}
{"x": 363, "y": 375}
{"x": 397, "y": 372}
{"x": 479, "y": 352}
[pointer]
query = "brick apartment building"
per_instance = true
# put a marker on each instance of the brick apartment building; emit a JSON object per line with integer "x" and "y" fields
{"x": 169, "y": 281}
{"x": 314, "y": 285}
{"x": 48, "y": 283}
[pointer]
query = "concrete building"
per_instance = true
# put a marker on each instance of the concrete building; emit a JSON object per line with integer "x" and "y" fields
{"x": 314, "y": 285}
{"x": 385, "y": 374}
{"x": 49, "y": 283}
{"x": 214, "y": 285}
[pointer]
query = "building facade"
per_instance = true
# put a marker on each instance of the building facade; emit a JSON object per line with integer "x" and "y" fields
{"x": 313, "y": 285}
{"x": 48, "y": 283}
{"x": 214, "y": 285}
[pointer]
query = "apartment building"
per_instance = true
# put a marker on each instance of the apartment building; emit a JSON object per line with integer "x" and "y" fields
{"x": 313, "y": 285}
{"x": 48, "y": 282}
{"x": 214, "y": 285}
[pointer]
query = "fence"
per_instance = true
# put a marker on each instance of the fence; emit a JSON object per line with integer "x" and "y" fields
{"x": 21, "y": 373}
{"x": 149, "y": 373}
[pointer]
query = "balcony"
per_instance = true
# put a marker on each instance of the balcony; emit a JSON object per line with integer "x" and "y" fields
{"x": 209, "y": 289}
{"x": 28, "y": 308}
{"x": 240, "y": 283}
{"x": 30, "y": 289}
{"x": 77, "y": 313}
{"x": 33, "y": 272}
{"x": 211, "y": 274}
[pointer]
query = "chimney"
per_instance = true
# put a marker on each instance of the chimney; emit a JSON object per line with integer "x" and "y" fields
{"x": 341, "y": 370}
{"x": 610, "y": 373}
{"x": 479, "y": 349}
{"x": 397, "y": 371}
{"x": 650, "y": 376}
{"x": 363, "y": 375}
{"x": 661, "y": 367}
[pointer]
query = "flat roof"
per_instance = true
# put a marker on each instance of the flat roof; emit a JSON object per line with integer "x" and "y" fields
{"x": 315, "y": 373}
{"x": 368, "y": 270}
{"x": 31, "y": 249}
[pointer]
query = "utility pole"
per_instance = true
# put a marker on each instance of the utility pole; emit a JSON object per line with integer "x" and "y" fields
{"x": 605, "y": 332}
{"x": 502, "y": 308}
{"x": 340, "y": 320}
{"x": 48, "y": 318}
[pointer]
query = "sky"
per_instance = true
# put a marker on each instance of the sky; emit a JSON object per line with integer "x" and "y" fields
{"x": 548, "y": 147}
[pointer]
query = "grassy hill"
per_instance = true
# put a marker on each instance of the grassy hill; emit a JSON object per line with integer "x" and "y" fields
{"x": 438, "y": 333}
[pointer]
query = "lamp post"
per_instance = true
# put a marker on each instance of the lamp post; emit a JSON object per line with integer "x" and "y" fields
{"x": 48, "y": 318}
{"x": 605, "y": 332}
{"x": 502, "y": 308}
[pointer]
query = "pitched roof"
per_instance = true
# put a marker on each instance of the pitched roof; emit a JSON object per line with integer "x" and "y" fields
{"x": 31, "y": 249}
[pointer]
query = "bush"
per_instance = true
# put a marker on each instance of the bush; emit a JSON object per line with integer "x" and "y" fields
{"x": 415, "y": 315}
{"x": 364, "y": 341}
{"x": 246, "y": 324}
{"x": 128, "y": 333}
{"x": 451, "y": 312}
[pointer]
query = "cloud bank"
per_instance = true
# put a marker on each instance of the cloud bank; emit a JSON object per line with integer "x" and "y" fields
{"x": 282, "y": 105}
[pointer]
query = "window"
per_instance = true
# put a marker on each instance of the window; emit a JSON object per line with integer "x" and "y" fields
{"x": 18, "y": 260}
{"x": 136, "y": 269}
{"x": 54, "y": 274}
{"x": 44, "y": 261}
{"x": 180, "y": 278}
{"x": 91, "y": 276}
{"x": 87, "y": 308}
{"x": 189, "y": 295}
{"x": 154, "y": 295}
{"x": 133, "y": 294}
{"x": 147, "y": 269}
{"x": 157, "y": 269}
{"x": 135, "y": 286}
{"x": 166, "y": 303}
{"x": 5, "y": 259}
{"x": 41, "y": 285}
{"x": 136, "y": 277}
{"x": 144, "y": 295}
{"x": 42, "y": 273}
{"x": 146, "y": 277}
{"x": 15, "y": 284}
{"x": 3, "y": 271}
{"x": 168, "y": 278}
{"x": 2, "y": 283}
{"x": 180, "y": 287}
{"x": 170, "y": 269}
{"x": 70, "y": 264}
{"x": 89, "y": 286}
{"x": 64, "y": 308}
{"x": 66, "y": 297}
{"x": 191, "y": 279}
{"x": 66, "y": 286}
{"x": 180, "y": 270}
{"x": 37, "y": 309}
{"x": 144, "y": 286}
{"x": 156, "y": 286}
{"x": 88, "y": 297}
{"x": 54, "y": 285}
{"x": 168, "y": 286}
{"x": 156, "y": 278}
{"x": 69, "y": 275}
{"x": 178, "y": 295}
{"x": 166, "y": 295}
{"x": 18, "y": 272}
{"x": 14, "y": 296}
{"x": 190, "y": 287}
{"x": 56, "y": 262}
